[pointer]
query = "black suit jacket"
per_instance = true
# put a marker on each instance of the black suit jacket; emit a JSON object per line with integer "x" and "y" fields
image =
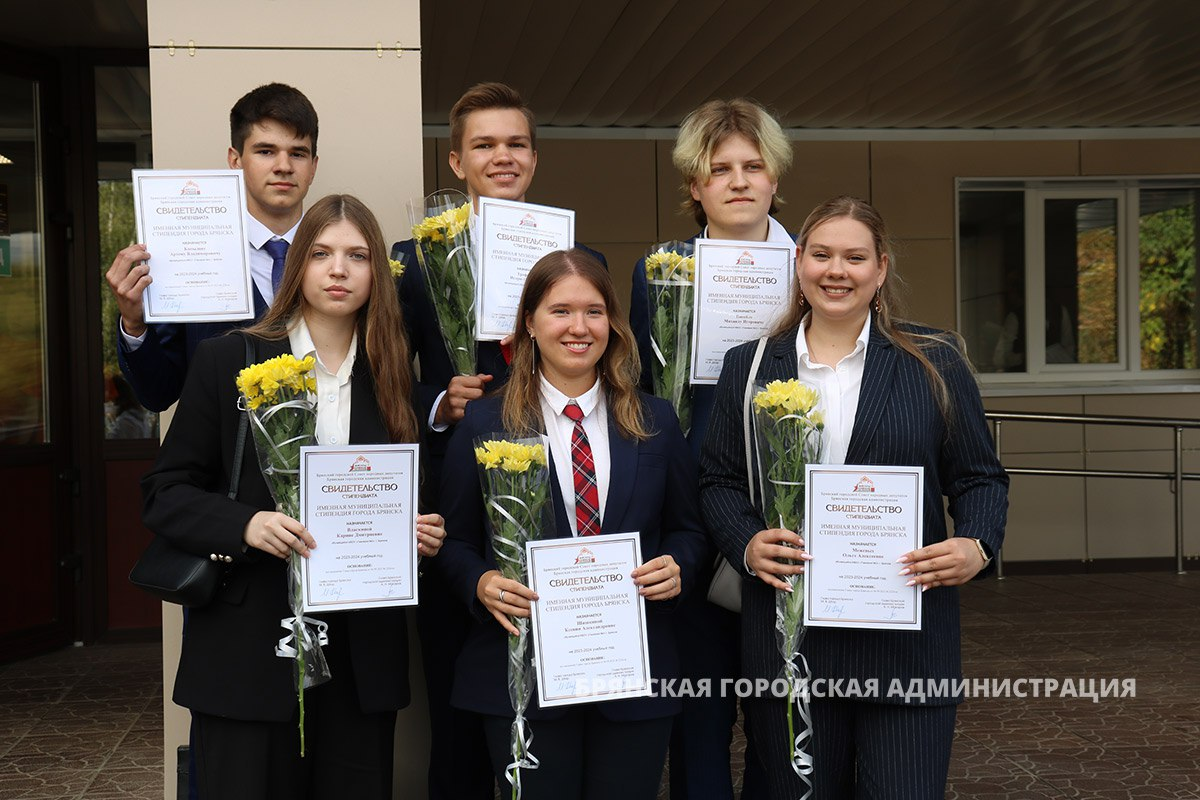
{"x": 228, "y": 666}
{"x": 652, "y": 490}
{"x": 157, "y": 369}
{"x": 897, "y": 423}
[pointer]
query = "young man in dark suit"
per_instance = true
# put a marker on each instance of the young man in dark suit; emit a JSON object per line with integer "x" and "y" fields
{"x": 273, "y": 140}
{"x": 493, "y": 148}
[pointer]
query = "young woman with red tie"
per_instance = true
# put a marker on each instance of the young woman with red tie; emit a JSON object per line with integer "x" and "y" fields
{"x": 618, "y": 463}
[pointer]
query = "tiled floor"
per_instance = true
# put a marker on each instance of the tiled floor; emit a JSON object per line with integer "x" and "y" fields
{"x": 87, "y": 722}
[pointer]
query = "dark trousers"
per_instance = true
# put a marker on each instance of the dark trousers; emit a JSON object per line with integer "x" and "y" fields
{"x": 459, "y": 768}
{"x": 861, "y": 750}
{"x": 709, "y": 649}
{"x": 348, "y": 752}
{"x": 585, "y": 756}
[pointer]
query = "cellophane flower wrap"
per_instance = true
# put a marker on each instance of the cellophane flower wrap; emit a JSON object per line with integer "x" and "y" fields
{"x": 442, "y": 233}
{"x": 788, "y": 427}
{"x": 516, "y": 495}
{"x": 275, "y": 394}
{"x": 670, "y": 285}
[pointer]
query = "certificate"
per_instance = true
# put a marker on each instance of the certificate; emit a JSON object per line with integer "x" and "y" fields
{"x": 741, "y": 288}
{"x": 193, "y": 223}
{"x": 589, "y": 622}
{"x": 512, "y": 237}
{"x": 858, "y": 521}
{"x": 360, "y": 503}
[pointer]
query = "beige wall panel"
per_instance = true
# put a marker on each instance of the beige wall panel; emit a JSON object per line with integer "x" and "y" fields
{"x": 621, "y": 257}
{"x": 610, "y": 184}
{"x": 1018, "y": 438}
{"x": 429, "y": 166}
{"x": 673, "y": 223}
{"x": 446, "y": 179}
{"x": 285, "y": 23}
{"x": 1129, "y": 518}
{"x": 1191, "y": 520}
{"x": 912, "y": 183}
{"x": 192, "y": 98}
{"x": 1175, "y": 406}
{"x": 1139, "y": 157}
{"x": 1046, "y": 519}
{"x": 821, "y": 170}
{"x": 927, "y": 267}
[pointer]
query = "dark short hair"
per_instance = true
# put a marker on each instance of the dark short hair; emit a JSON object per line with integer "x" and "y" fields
{"x": 274, "y": 101}
{"x": 484, "y": 96}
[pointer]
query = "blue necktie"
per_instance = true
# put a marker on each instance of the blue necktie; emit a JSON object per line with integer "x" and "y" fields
{"x": 277, "y": 249}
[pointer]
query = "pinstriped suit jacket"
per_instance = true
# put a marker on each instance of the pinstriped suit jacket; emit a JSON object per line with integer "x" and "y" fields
{"x": 897, "y": 423}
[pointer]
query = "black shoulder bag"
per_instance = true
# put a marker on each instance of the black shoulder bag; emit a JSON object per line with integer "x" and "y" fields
{"x": 177, "y": 576}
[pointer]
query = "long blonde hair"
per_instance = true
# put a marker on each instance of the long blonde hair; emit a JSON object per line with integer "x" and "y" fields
{"x": 379, "y": 323}
{"x": 619, "y": 367}
{"x": 886, "y": 310}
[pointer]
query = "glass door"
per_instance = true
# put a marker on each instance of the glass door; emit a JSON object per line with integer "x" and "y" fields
{"x": 36, "y": 594}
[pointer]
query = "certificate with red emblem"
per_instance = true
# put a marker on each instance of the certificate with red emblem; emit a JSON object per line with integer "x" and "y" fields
{"x": 858, "y": 521}
{"x": 193, "y": 224}
{"x": 360, "y": 504}
{"x": 589, "y": 622}
{"x": 741, "y": 289}
{"x": 512, "y": 237}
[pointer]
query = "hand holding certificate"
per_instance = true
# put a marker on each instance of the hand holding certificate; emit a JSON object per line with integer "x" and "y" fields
{"x": 193, "y": 225}
{"x": 860, "y": 520}
{"x": 360, "y": 504}
{"x": 589, "y": 623}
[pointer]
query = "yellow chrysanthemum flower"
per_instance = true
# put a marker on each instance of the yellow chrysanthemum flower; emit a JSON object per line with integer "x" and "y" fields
{"x": 668, "y": 265}
{"x": 396, "y": 267}
{"x": 781, "y": 398}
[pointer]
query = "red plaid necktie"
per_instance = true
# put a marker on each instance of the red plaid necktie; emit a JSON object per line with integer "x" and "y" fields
{"x": 587, "y": 495}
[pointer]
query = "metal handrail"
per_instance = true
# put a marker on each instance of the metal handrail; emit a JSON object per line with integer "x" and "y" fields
{"x": 1176, "y": 476}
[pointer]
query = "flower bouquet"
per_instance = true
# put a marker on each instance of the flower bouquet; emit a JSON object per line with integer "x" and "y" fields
{"x": 670, "y": 284}
{"x": 442, "y": 233}
{"x": 275, "y": 396}
{"x": 788, "y": 428}
{"x": 516, "y": 493}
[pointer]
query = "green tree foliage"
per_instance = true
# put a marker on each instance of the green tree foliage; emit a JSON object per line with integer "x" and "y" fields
{"x": 1167, "y": 303}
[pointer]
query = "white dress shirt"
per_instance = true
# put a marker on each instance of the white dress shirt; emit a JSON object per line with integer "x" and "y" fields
{"x": 260, "y": 260}
{"x": 333, "y": 388}
{"x": 257, "y": 235}
{"x": 839, "y": 388}
{"x": 560, "y": 427}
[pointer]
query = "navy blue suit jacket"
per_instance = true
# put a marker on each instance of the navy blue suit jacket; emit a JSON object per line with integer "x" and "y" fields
{"x": 158, "y": 368}
{"x": 652, "y": 490}
{"x": 228, "y": 665}
{"x": 897, "y": 423}
{"x": 426, "y": 343}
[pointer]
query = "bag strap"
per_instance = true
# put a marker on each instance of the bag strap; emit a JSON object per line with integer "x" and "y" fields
{"x": 239, "y": 448}
{"x": 746, "y": 415}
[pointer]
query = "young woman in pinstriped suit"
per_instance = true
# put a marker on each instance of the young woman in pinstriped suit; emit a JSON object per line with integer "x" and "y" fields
{"x": 893, "y": 393}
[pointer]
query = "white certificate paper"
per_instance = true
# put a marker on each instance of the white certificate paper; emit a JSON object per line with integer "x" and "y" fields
{"x": 858, "y": 521}
{"x": 512, "y": 237}
{"x": 589, "y": 622}
{"x": 193, "y": 223}
{"x": 360, "y": 503}
{"x": 741, "y": 288}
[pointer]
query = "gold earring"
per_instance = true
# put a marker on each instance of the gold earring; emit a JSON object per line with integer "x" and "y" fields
{"x": 802, "y": 300}
{"x": 878, "y": 301}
